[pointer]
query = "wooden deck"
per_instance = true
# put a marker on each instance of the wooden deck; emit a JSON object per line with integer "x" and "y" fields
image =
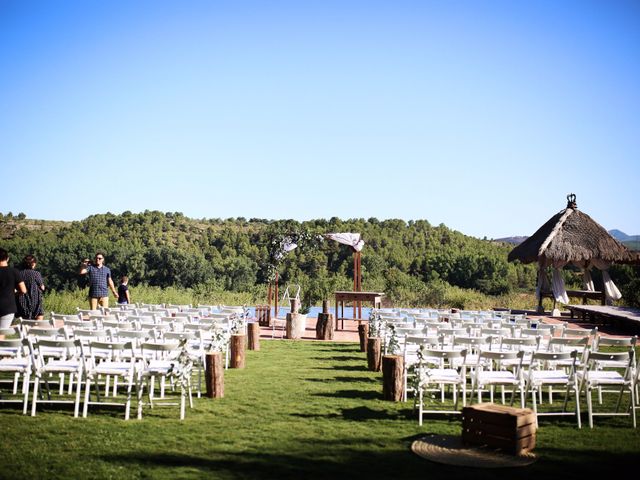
{"x": 621, "y": 318}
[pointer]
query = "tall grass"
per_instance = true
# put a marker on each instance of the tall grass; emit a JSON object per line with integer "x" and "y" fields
{"x": 66, "y": 301}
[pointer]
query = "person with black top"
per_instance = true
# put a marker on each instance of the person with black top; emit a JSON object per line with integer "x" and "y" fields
{"x": 10, "y": 283}
{"x": 31, "y": 304}
{"x": 124, "y": 298}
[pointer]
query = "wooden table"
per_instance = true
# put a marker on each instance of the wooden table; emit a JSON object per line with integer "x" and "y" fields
{"x": 357, "y": 298}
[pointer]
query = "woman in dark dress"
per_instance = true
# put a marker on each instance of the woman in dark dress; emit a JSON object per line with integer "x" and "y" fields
{"x": 30, "y": 305}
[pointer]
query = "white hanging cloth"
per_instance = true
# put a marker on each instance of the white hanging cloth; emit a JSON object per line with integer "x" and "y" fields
{"x": 611, "y": 292}
{"x": 559, "y": 292}
{"x": 587, "y": 281}
{"x": 351, "y": 239}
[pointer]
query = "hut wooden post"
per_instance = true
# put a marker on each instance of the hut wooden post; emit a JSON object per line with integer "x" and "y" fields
{"x": 214, "y": 378}
{"x": 374, "y": 353}
{"x": 237, "y": 351}
{"x": 392, "y": 377}
{"x": 253, "y": 329}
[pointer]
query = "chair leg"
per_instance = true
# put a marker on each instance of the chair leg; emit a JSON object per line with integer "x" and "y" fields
{"x": 34, "y": 402}
{"x": 577, "y": 394}
{"x": 127, "y": 407}
{"x": 87, "y": 394}
{"x": 589, "y": 407}
{"x": 25, "y": 392}
{"x": 140, "y": 392}
{"x": 76, "y": 409}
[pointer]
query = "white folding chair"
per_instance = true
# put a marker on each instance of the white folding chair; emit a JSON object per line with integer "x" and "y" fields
{"x": 490, "y": 372}
{"x": 68, "y": 362}
{"x": 548, "y": 369}
{"x": 106, "y": 359}
{"x": 597, "y": 373}
{"x": 18, "y": 364}
{"x": 410, "y": 352}
{"x": 162, "y": 361}
{"x": 435, "y": 372}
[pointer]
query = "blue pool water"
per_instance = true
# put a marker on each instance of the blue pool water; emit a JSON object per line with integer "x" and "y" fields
{"x": 314, "y": 311}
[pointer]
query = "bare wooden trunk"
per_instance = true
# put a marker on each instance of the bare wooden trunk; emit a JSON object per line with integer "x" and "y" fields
{"x": 374, "y": 353}
{"x": 363, "y": 332}
{"x": 324, "y": 326}
{"x": 214, "y": 368}
{"x": 392, "y": 377}
{"x": 237, "y": 351}
{"x": 254, "y": 335}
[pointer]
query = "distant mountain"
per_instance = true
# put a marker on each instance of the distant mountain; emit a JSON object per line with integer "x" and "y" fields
{"x": 623, "y": 237}
{"x": 513, "y": 240}
{"x": 631, "y": 241}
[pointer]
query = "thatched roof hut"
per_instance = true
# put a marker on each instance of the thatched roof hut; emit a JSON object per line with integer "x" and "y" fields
{"x": 571, "y": 236}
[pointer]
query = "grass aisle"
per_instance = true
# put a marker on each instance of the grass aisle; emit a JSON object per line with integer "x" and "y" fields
{"x": 298, "y": 410}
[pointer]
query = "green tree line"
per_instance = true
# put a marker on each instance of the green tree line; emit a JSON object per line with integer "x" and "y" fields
{"x": 413, "y": 262}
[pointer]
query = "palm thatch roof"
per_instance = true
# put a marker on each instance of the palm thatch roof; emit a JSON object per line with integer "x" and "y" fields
{"x": 572, "y": 236}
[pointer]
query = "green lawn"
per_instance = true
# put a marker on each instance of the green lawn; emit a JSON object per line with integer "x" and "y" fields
{"x": 298, "y": 410}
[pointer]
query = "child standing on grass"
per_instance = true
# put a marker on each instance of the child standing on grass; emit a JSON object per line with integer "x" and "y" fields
{"x": 124, "y": 298}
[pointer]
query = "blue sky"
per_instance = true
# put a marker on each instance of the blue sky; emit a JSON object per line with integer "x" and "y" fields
{"x": 481, "y": 115}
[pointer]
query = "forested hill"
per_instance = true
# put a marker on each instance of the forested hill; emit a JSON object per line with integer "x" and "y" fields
{"x": 167, "y": 249}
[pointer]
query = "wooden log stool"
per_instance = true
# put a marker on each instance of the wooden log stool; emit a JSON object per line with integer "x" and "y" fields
{"x": 324, "y": 326}
{"x": 393, "y": 377}
{"x": 374, "y": 353}
{"x": 214, "y": 379}
{"x": 253, "y": 329}
{"x": 363, "y": 333}
{"x": 499, "y": 426}
{"x": 237, "y": 351}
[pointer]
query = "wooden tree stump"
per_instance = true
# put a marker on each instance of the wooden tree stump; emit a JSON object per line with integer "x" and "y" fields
{"x": 363, "y": 332}
{"x": 324, "y": 326}
{"x": 392, "y": 377}
{"x": 214, "y": 378}
{"x": 237, "y": 351}
{"x": 374, "y": 353}
{"x": 253, "y": 329}
{"x": 296, "y": 324}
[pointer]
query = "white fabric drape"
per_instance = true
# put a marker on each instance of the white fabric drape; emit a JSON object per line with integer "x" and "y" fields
{"x": 611, "y": 292}
{"x": 559, "y": 292}
{"x": 587, "y": 281}
{"x": 351, "y": 239}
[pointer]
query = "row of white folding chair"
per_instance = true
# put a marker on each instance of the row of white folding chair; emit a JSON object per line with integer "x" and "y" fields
{"x": 556, "y": 369}
{"x": 51, "y": 352}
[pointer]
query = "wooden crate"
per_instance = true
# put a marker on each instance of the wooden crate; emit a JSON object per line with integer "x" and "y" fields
{"x": 263, "y": 314}
{"x": 498, "y": 426}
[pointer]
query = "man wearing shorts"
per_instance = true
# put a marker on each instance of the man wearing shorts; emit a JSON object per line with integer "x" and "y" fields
{"x": 100, "y": 282}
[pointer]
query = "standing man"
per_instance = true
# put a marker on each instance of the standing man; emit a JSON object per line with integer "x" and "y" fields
{"x": 100, "y": 282}
{"x": 10, "y": 283}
